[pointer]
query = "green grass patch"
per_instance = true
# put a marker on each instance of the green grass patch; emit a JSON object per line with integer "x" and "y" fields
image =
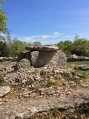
{"x": 84, "y": 74}
{"x": 73, "y": 64}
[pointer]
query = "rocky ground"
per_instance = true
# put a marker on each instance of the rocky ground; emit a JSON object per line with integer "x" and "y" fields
{"x": 42, "y": 93}
{"x": 70, "y": 104}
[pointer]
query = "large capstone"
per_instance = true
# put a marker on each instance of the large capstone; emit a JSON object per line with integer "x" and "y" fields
{"x": 42, "y": 48}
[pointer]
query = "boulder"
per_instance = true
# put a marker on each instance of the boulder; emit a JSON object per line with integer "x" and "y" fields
{"x": 4, "y": 90}
{"x": 24, "y": 63}
{"x": 52, "y": 58}
{"x": 10, "y": 67}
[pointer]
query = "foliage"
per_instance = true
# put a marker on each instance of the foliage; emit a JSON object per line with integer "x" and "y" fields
{"x": 3, "y": 49}
{"x": 84, "y": 74}
{"x": 37, "y": 43}
{"x": 80, "y": 47}
{"x": 66, "y": 46}
{"x": 73, "y": 64}
{"x": 15, "y": 47}
{"x": 2, "y": 18}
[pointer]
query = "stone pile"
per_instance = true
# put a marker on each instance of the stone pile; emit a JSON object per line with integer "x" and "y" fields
{"x": 41, "y": 67}
{"x": 77, "y": 58}
{"x": 82, "y": 67}
{"x": 39, "y": 81}
{"x": 4, "y": 90}
{"x": 6, "y": 59}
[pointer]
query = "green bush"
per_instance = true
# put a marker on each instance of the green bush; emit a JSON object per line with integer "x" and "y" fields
{"x": 80, "y": 47}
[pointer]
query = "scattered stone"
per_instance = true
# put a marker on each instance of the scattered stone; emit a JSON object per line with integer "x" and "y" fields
{"x": 77, "y": 58}
{"x": 10, "y": 67}
{"x": 1, "y": 68}
{"x": 4, "y": 90}
{"x": 1, "y": 101}
{"x": 82, "y": 67}
{"x": 84, "y": 85}
{"x": 20, "y": 116}
{"x": 76, "y": 77}
{"x": 72, "y": 83}
{"x": 5, "y": 59}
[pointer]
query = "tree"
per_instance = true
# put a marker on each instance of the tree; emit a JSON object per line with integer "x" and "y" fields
{"x": 2, "y": 22}
{"x": 2, "y": 18}
{"x": 15, "y": 47}
{"x": 81, "y": 47}
{"x": 66, "y": 46}
{"x": 37, "y": 43}
{"x": 3, "y": 49}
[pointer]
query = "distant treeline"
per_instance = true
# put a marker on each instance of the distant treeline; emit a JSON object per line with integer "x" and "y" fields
{"x": 11, "y": 48}
{"x": 78, "y": 46}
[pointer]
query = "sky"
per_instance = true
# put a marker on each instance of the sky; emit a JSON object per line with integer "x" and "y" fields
{"x": 47, "y": 21}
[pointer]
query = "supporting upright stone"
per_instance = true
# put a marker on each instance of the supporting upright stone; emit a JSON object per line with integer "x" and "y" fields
{"x": 46, "y": 55}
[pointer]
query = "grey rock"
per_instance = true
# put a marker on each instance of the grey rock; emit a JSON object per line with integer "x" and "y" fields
{"x": 10, "y": 67}
{"x": 74, "y": 56}
{"x": 24, "y": 63}
{"x": 42, "y": 48}
{"x": 1, "y": 68}
{"x": 1, "y": 101}
{"x": 82, "y": 67}
{"x": 34, "y": 59}
{"x": 77, "y": 58}
{"x": 4, "y": 90}
{"x": 54, "y": 59}
{"x": 4, "y": 59}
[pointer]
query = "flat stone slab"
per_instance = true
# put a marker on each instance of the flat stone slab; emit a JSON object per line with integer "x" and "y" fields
{"x": 42, "y": 48}
{"x": 4, "y": 90}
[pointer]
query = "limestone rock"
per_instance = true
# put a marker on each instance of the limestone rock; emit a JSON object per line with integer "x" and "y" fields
{"x": 10, "y": 67}
{"x": 77, "y": 58}
{"x": 6, "y": 59}
{"x": 4, "y": 90}
{"x": 24, "y": 63}
{"x": 53, "y": 58}
{"x": 1, "y": 68}
{"x": 82, "y": 67}
{"x": 42, "y": 48}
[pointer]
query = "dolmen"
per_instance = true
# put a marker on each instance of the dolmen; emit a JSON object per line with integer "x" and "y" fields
{"x": 42, "y": 55}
